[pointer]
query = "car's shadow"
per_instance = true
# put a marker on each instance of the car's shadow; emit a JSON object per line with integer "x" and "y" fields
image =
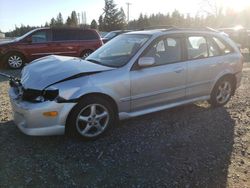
{"x": 186, "y": 146}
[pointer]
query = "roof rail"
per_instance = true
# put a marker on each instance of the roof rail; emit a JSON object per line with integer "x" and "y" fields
{"x": 197, "y": 28}
{"x": 157, "y": 27}
{"x": 172, "y": 27}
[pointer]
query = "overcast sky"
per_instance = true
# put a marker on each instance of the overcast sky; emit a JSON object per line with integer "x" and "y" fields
{"x": 37, "y": 12}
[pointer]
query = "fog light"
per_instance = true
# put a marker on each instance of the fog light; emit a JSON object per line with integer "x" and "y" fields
{"x": 50, "y": 114}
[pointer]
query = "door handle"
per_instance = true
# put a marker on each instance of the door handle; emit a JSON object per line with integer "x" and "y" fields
{"x": 179, "y": 70}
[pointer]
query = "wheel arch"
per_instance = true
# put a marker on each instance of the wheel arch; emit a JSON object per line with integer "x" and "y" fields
{"x": 110, "y": 100}
{"x": 230, "y": 76}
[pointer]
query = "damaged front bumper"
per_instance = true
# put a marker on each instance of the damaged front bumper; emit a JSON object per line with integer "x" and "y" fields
{"x": 30, "y": 119}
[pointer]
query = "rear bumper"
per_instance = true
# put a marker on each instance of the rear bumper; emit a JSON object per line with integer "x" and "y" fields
{"x": 30, "y": 120}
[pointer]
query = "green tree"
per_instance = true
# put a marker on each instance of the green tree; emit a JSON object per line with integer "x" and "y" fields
{"x": 68, "y": 21}
{"x": 122, "y": 19}
{"x": 93, "y": 24}
{"x": 59, "y": 20}
{"x": 100, "y": 21}
{"x": 52, "y": 22}
{"x": 111, "y": 16}
{"x": 74, "y": 20}
{"x": 46, "y": 24}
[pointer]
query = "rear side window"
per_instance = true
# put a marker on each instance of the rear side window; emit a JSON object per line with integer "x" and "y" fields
{"x": 87, "y": 35}
{"x": 72, "y": 35}
{"x": 224, "y": 48}
{"x": 213, "y": 49}
{"x": 197, "y": 47}
{"x": 65, "y": 35}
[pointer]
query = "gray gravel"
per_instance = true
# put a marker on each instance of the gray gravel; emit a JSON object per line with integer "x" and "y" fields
{"x": 189, "y": 146}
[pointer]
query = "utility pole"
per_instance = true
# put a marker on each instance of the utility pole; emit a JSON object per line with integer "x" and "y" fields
{"x": 128, "y": 4}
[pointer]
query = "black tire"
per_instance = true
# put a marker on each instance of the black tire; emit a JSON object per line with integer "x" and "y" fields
{"x": 222, "y": 92}
{"x": 76, "y": 127}
{"x": 86, "y": 53}
{"x": 14, "y": 60}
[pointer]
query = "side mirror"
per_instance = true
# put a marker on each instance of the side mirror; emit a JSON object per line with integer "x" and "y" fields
{"x": 146, "y": 61}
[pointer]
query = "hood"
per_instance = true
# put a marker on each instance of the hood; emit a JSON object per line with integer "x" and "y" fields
{"x": 49, "y": 70}
{"x": 6, "y": 42}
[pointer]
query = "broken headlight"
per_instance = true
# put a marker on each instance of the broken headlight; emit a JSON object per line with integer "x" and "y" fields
{"x": 40, "y": 96}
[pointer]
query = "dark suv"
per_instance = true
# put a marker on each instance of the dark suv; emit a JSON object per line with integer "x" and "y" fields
{"x": 47, "y": 41}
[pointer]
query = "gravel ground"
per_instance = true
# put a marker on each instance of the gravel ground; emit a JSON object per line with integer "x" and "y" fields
{"x": 189, "y": 146}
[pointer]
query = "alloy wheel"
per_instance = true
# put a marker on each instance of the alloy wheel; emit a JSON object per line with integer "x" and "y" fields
{"x": 92, "y": 120}
{"x": 224, "y": 92}
{"x": 15, "y": 61}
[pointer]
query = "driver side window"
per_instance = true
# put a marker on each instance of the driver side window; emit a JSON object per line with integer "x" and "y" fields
{"x": 166, "y": 51}
{"x": 39, "y": 37}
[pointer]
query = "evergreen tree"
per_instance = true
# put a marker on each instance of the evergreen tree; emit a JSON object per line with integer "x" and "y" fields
{"x": 93, "y": 24}
{"x": 122, "y": 19}
{"x": 74, "y": 20}
{"x": 111, "y": 17}
{"x": 68, "y": 21}
{"x": 100, "y": 21}
{"x": 46, "y": 24}
{"x": 52, "y": 22}
{"x": 59, "y": 20}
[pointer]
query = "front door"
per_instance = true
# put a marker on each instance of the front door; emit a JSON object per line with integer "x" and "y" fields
{"x": 162, "y": 83}
{"x": 39, "y": 44}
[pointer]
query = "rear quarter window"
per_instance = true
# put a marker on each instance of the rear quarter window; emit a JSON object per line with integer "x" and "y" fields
{"x": 88, "y": 35}
{"x": 223, "y": 46}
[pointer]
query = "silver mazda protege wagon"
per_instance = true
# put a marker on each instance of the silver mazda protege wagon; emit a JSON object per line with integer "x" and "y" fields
{"x": 134, "y": 74}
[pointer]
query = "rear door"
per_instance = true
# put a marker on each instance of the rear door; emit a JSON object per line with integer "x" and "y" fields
{"x": 163, "y": 83}
{"x": 203, "y": 62}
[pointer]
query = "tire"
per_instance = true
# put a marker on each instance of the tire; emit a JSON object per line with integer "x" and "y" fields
{"x": 222, "y": 92}
{"x": 14, "y": 60}
{"x": 91, "y": 118}
{"x": 86, "y": 53}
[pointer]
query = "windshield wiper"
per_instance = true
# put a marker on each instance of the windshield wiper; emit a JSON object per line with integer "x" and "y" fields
{"x": 94, "y": 61}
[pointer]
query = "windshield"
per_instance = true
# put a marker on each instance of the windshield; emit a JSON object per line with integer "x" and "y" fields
{"x": 110, "y": 35}
{"x": 119, "y": 50}
{"x": 25, "y": 35}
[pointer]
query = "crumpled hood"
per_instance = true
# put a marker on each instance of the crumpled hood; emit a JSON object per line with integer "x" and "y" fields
{"x": 48, "y": 70}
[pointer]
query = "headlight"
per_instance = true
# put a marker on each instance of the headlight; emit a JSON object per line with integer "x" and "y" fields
{"x": 40, "y": 96}
{"x": 39, "y": 99}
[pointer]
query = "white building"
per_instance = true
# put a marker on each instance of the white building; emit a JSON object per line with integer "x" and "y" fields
{"x": 2, "y": 35}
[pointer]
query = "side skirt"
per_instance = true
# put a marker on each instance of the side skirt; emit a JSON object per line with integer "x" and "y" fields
{"x": 127, "y": 115}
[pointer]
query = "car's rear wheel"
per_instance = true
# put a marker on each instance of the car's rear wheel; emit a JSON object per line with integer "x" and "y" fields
{"x": 86, "y": 53}
{"x": 14, "y": 60}
{"x": 91, "y": 118}
{"x": 222, "y": 92}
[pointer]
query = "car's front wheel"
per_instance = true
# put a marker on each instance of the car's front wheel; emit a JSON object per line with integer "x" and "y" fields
{"x": 222, "y": 92}
{"x": 91, "y": 118}
{"x": 14, "y": 60}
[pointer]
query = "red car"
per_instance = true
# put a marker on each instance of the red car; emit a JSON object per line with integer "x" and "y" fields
{"x": 47, "y": 41}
